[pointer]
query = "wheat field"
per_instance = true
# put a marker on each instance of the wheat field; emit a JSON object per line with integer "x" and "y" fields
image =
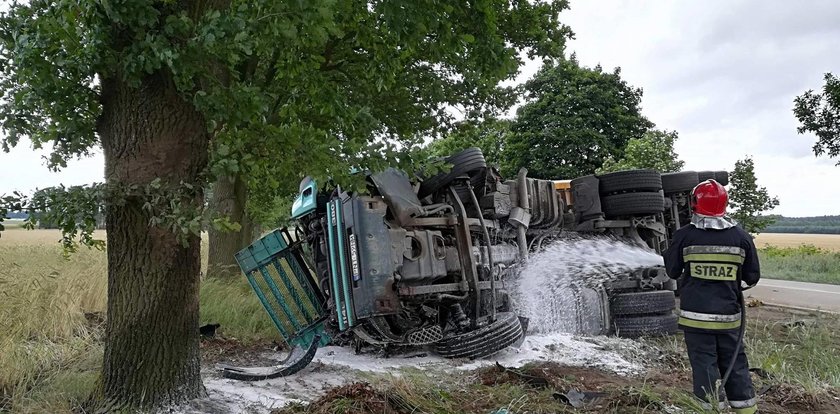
{"x": 823, "y": 241}
{"x": 51, "y": 309}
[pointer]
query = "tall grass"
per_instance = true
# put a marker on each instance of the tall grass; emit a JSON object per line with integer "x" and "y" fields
{"x": 233, "y": 304}
{"x": 803, "y": 353}
{"x": 52, "y": 314}
{"x": 806, "y": 263}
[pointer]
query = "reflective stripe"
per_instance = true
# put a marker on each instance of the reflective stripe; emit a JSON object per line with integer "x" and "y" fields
{"x": 691, "y": 323}
{"x": 714, "y": 271}
{"x": 714, "y": 249}
{"x": 743, "y": 404}
{"x": 748, "y": 410}
{"x": 710, "y": 317}
{"x": 707, "y": 406}
{"x": 713, "y": 257}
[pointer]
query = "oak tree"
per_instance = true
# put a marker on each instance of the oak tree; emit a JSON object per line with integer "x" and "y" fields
{"x": 179, "y": 94}
{"x": 572, "y": 120}
{"x": 819, "y": 113}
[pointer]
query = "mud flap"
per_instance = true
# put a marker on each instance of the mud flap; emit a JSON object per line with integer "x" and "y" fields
{"x": 299, "y": 357}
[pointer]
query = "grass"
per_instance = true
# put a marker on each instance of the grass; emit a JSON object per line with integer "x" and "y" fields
{"x": 804, "y": 353}
{"x": 805, "y": 263}
{"x": 801, "y": 257}
{"x": 50, "y": 351}
{"x": 233, "y": 304}
{"x": 51, "y": 318}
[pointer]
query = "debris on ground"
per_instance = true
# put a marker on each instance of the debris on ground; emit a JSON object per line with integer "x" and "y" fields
{"x": 579, "y": 399}
{"x": 754, "y": 303}
{"x": 354, "y": 398}
{"x": 337, "y": 366}
{"x": 209, "y": 330}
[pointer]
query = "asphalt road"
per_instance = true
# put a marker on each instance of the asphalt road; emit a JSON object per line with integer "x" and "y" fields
{"x": 813, "y": 296}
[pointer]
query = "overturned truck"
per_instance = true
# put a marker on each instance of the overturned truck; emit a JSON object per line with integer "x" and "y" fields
{"x": 428, "y": 263}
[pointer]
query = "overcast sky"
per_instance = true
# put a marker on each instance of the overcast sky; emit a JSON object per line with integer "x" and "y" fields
{"x": 722, "y": 73}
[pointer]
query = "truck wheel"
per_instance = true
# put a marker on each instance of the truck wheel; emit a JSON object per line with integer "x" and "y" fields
{"x": 642, "y": 303}
{"x": 484, "y": 341}
{"x": 632, "y": 180}
{"x": 722, "y": 177}
{"x": 654, "y": 325}
{"x": 679, "y": 181}
{"x": 706, "y": 175}
{"x": 633, "y": 204}
{"x": 467, "y": 162}
{"x": 587, "y": 200}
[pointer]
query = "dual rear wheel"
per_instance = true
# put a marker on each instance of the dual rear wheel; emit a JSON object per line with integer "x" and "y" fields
{"x": 647, "y": 313}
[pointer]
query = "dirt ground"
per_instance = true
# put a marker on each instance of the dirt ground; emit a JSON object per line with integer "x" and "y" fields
{"x": 610, "y": 393}
{"x": 663, "y": 388}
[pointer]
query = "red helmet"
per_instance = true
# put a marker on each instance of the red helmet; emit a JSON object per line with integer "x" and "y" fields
{"x": 709, "y": 198}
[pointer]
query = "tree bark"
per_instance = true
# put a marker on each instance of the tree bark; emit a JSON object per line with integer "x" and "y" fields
{"x": 151, "y": 346}
{"x": 229, "y": 198}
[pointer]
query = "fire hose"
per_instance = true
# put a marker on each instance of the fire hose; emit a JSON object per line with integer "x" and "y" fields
{"x": 741, "y": 332}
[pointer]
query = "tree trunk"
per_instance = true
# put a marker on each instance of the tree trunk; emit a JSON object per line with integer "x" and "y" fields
{"x": 229, "y": 198}
{"x": 151, "y": 346}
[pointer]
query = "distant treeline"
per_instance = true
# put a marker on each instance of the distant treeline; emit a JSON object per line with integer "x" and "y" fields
{"x": 811, "y": 225}
{"x": 17, "y": 216}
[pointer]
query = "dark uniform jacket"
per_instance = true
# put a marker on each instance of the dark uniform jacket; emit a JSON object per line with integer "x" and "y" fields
{"x": 713, "y": 262}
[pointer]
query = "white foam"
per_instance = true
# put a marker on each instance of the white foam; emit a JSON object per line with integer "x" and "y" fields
{"x": 334, "y": 366}
{"x": 546, "y": 288}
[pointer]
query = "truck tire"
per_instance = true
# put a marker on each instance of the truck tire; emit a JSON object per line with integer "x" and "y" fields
{"x": 722, "y": 177}
{"x": 468, "y": 162}
{"x": 705, "y": 175}
{"x": 679, "y": 182}
{"x": 587, "y": 199}
{"x": 633, "y": 204}
{"x": 631, "y": 180}
{"x": 484, "y": 341}
{"x": 653, "y": 325}
{"x": 642, "y": 303}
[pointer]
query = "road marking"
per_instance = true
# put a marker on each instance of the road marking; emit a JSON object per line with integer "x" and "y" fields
{"x": 802, "y": 289}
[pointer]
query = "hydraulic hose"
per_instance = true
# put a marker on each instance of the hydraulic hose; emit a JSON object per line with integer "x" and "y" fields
{"x": 488, "y": 242}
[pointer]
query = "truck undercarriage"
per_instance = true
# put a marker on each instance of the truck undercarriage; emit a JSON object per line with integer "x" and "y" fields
{"x": 430, "y": 263}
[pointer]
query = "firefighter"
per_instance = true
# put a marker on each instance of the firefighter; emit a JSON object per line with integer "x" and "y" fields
{"x": 714, "y": 256}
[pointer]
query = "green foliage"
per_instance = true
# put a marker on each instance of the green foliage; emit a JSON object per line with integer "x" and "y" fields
{"x": 489, "y": 134}
{"x": 819, "y": 113}
{"x": 288, "y": 88}
{"x": 808, "y": 225}
{"x": 74, "y": 210}
{"x": 574, "y": 118}
{"x": 748, "y": 199}
{"x": 654, "y": 150}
